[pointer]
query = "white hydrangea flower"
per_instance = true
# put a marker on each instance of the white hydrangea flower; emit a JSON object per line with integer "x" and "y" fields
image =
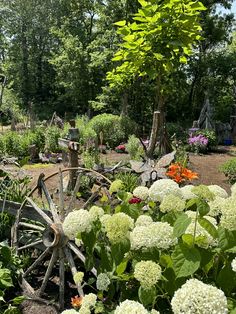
{"x": 233, "y": 190}
{"x": 76, "y": 222}
{"x": 78, "y": 277}
{"x": 147, "y": 273}
{"x": 187, "y": 193}
{"x": 118, "y": 227}
{"x": 156, "y": 235}
{"x": 89, "y": 301}
{"x": 130, "y": 307}
{"x": 233, "y": 264}
{"x": 96, "y": 212}
{"x": 84, "y": 310}
{"x": 78, "y": 241}
{"x": 196, "y": 297}
{"x": 218, "y": 191}
{"x": 103, "y": 282}
{"x": 207, "y": 240}
{"x": 163, "y": 187}
{"x": 216, "y": 206}
{"x": 141, "y": 192}
{"x": 171, "y": 202}
{"x": 71, "y": 311}
{"x": 154, "y": 312}
{"x": 228, "y": 220}
{"x": 143, "y": 220}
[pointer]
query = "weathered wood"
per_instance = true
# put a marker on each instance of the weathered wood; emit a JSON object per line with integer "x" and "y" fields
{"x": 73, "y": 196}
{"x": 34, "y": 244}
{"x": 73, "y": 269}
{"x": 31, "y": 226}
{"x": 61, "y": 196}
{"x": 62, "y": 279}
{"x": 40, "y": 211}
{"x": 48, "y": 271}
{"x": 37, "y": 261}
{"x": 28, "y": 211}
{"x": 50, "y": 203}
{"x": 154, "y": 133}
{"x": 80, "y": 255}
{"x": 64, "y": 143}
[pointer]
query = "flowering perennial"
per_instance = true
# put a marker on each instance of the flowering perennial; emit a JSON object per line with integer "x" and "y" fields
{"x": 147, "y": 273}
{"x": 130, "y": 307}
{"x": 103, "y": 282}
{"x": 143, "y": 220}
{"x": 78, "y": 277}
{"x": 180, "y": 174}
{"x": 203, "y": 192}
{"x": 156, "y": 235}
{"x": 196, "y": 297}
{"x": 117, "y": 227}
{"x": 163, "y": 187}
{"x": 172, "y": 203}
{"x": 116, "y": 186}
{"x": 187, "y": 193}
{"x": 141, "y": 192}
{"x": 198, "y": 142}
{"x": 96, "y": 212}
{"x": 76, "y": 222}
{"x": 218, "y": 191}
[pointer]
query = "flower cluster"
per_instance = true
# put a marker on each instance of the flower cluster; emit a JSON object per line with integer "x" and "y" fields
{"x": 180, "y": 174}
{"x": 141, "y": 192}
{"x": 117, "y": 227}
{"x": 216, "y": 206}
{"x": 120, "y": 148}
{"x": 233, "y": 264}
{"x": 88, "y": 303}
{"x": 187, "y": 193}
{"x": 103, "y": 282}
{"x": 130, "y": 307}
{"x": 218, "y": 191}
{"x": 155, "y": 235}
{"x": 116, "y": 186}
{"x": 76, "y": 222}
{"x": 198, "y": 142}
{"x": 228, "y": 211}
{"x": 172, "y": 203}
{"x": 135, "y": 200}
{"x": 143, "y": 220}
{"x": 71, "y": 311}
{"x": 163, "y": 187}
{"x": 197, "y": 297}
{"x": 147, "y": 273}
{"x": 203, "y": 192}
{"x": 96, "y": 212}
{"x": 78, "y": 277}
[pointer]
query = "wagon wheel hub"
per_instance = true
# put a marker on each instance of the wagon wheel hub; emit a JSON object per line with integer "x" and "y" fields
{"x": 54, "y": 236}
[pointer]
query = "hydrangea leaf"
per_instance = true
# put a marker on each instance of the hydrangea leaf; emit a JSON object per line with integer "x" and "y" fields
{"x": 181, "y": 224}
{"x": 186, "y": 260}
{"x": 208, "y": 226}
{"x": 227, "y": 239}
{"x": 147, "y": 296}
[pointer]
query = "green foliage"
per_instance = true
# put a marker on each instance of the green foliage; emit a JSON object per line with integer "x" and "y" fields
{"x": 6, "y": 222}
{"x": 52, "y": 135}
{"x": 130, "y": 180}
{"x": 134, "y": 148}
{"x": 229, "y": 170}
{"x": 114, "y": 129}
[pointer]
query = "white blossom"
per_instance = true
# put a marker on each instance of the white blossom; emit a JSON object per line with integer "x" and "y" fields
{"x": 233, "y": 264}
{"x": 141, "y": 192}
{"x": 130, "y": 307}
{"x": 163, "y": 187}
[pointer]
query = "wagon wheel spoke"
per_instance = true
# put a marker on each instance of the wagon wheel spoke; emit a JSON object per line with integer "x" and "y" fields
{"x": 80, "y": 255}
{"x": 61, "y": 197}
{"x": 50, "y": 203}
{"x": 31, "y": 226}
{"x": 37, "y": 261}
{"x": 73, "y": 196}
{"x": 33, "y": 244}
{"x": 48, "y": 271}
{"x": 62, "y": 279}
{"x": 73, "y": 269}
{"x": 40, "y": 211}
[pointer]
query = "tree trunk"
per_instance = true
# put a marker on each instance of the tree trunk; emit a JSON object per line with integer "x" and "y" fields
{"x": 124, "y": 108}
{"x": 154, "y": 133}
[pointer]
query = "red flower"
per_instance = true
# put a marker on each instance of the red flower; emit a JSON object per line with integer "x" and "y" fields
{"x": 135, "y": 200}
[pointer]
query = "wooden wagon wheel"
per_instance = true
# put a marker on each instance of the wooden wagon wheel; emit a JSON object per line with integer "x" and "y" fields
{"x": 46, "y": 234}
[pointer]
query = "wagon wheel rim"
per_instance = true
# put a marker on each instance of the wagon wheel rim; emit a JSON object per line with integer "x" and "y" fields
{"x": 53, "y": 238}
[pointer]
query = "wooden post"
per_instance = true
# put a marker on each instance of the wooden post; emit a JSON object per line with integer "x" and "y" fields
{"x": 73, "y": 153}
{"x": 154, "y": 133}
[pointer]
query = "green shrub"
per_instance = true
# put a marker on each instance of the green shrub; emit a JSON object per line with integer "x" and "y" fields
{"x": 229, "y": 170}
{"x": 113, "y": 129}
{"x": 130, "y": 180}
{"x": 52, "y": 135}
{"x": 134, "y": 148}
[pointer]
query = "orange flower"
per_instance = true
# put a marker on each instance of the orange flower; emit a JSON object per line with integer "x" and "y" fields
{"x": 76, "y": 301}
{"x": 179, "y": 173}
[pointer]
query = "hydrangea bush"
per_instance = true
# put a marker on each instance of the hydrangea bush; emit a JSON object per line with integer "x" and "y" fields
{"x": 173, "y": 251}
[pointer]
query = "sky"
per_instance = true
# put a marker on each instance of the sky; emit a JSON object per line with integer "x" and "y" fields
{"x": 233, "y": 8}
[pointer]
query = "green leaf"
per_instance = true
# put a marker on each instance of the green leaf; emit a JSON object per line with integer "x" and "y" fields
{"x": 203, "y": 207}
{"x": 89, "y": 240}
{"x": 188, "y": 239}
{"x": 227, "y": 279}
{"x": 118, "y": 251}
{"x": 183, "y": 59}
{"x": 19, "y": 300}
{"x": 208, "y": 226}
{"x": 121, "y": 267}
{"x": 186, "y": 260}
{"x": 227, "y": 239}
{"x": 106, "y": 263}
{"x": 120, "y": 23}
{"x": 192, "y": 204}
{"x": 147, "y": 296}
{"x": 181, "y": 224}
{"x": 5, "y": 278}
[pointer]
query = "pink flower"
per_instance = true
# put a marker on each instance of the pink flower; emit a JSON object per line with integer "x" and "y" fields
{"x": 135, "y": 200}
